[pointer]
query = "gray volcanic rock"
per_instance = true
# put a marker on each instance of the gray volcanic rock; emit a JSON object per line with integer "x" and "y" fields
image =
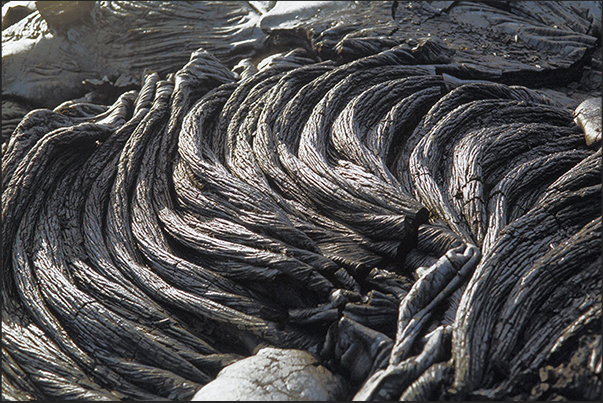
{"x": 395, "y": 197}
{"x": 588, "y": 116}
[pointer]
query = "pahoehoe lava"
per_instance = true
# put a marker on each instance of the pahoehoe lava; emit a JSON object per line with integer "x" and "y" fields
{"x": 424, "y": 238}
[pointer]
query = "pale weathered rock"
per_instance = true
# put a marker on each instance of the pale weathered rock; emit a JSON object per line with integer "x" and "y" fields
{"x": 274, "y": 374}
{"x": 588, "y": 116}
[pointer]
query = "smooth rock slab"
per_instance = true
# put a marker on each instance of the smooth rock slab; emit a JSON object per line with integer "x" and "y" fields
{"x": 588, "y": 116}
{"x": 274, "y": 374}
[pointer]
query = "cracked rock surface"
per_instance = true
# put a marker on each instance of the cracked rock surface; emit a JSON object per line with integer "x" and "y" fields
{"x": 274, "y": 374}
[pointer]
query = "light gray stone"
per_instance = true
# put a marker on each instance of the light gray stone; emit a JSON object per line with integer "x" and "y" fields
{"x": 274, "y": 374}
{"x": 588, "y": 116}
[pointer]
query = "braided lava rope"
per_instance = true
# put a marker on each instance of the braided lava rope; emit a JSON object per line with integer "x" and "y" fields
{"x": 425, "y": 240}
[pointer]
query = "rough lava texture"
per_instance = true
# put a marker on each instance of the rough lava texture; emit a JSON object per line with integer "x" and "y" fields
{"x": 351, "y": 200}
